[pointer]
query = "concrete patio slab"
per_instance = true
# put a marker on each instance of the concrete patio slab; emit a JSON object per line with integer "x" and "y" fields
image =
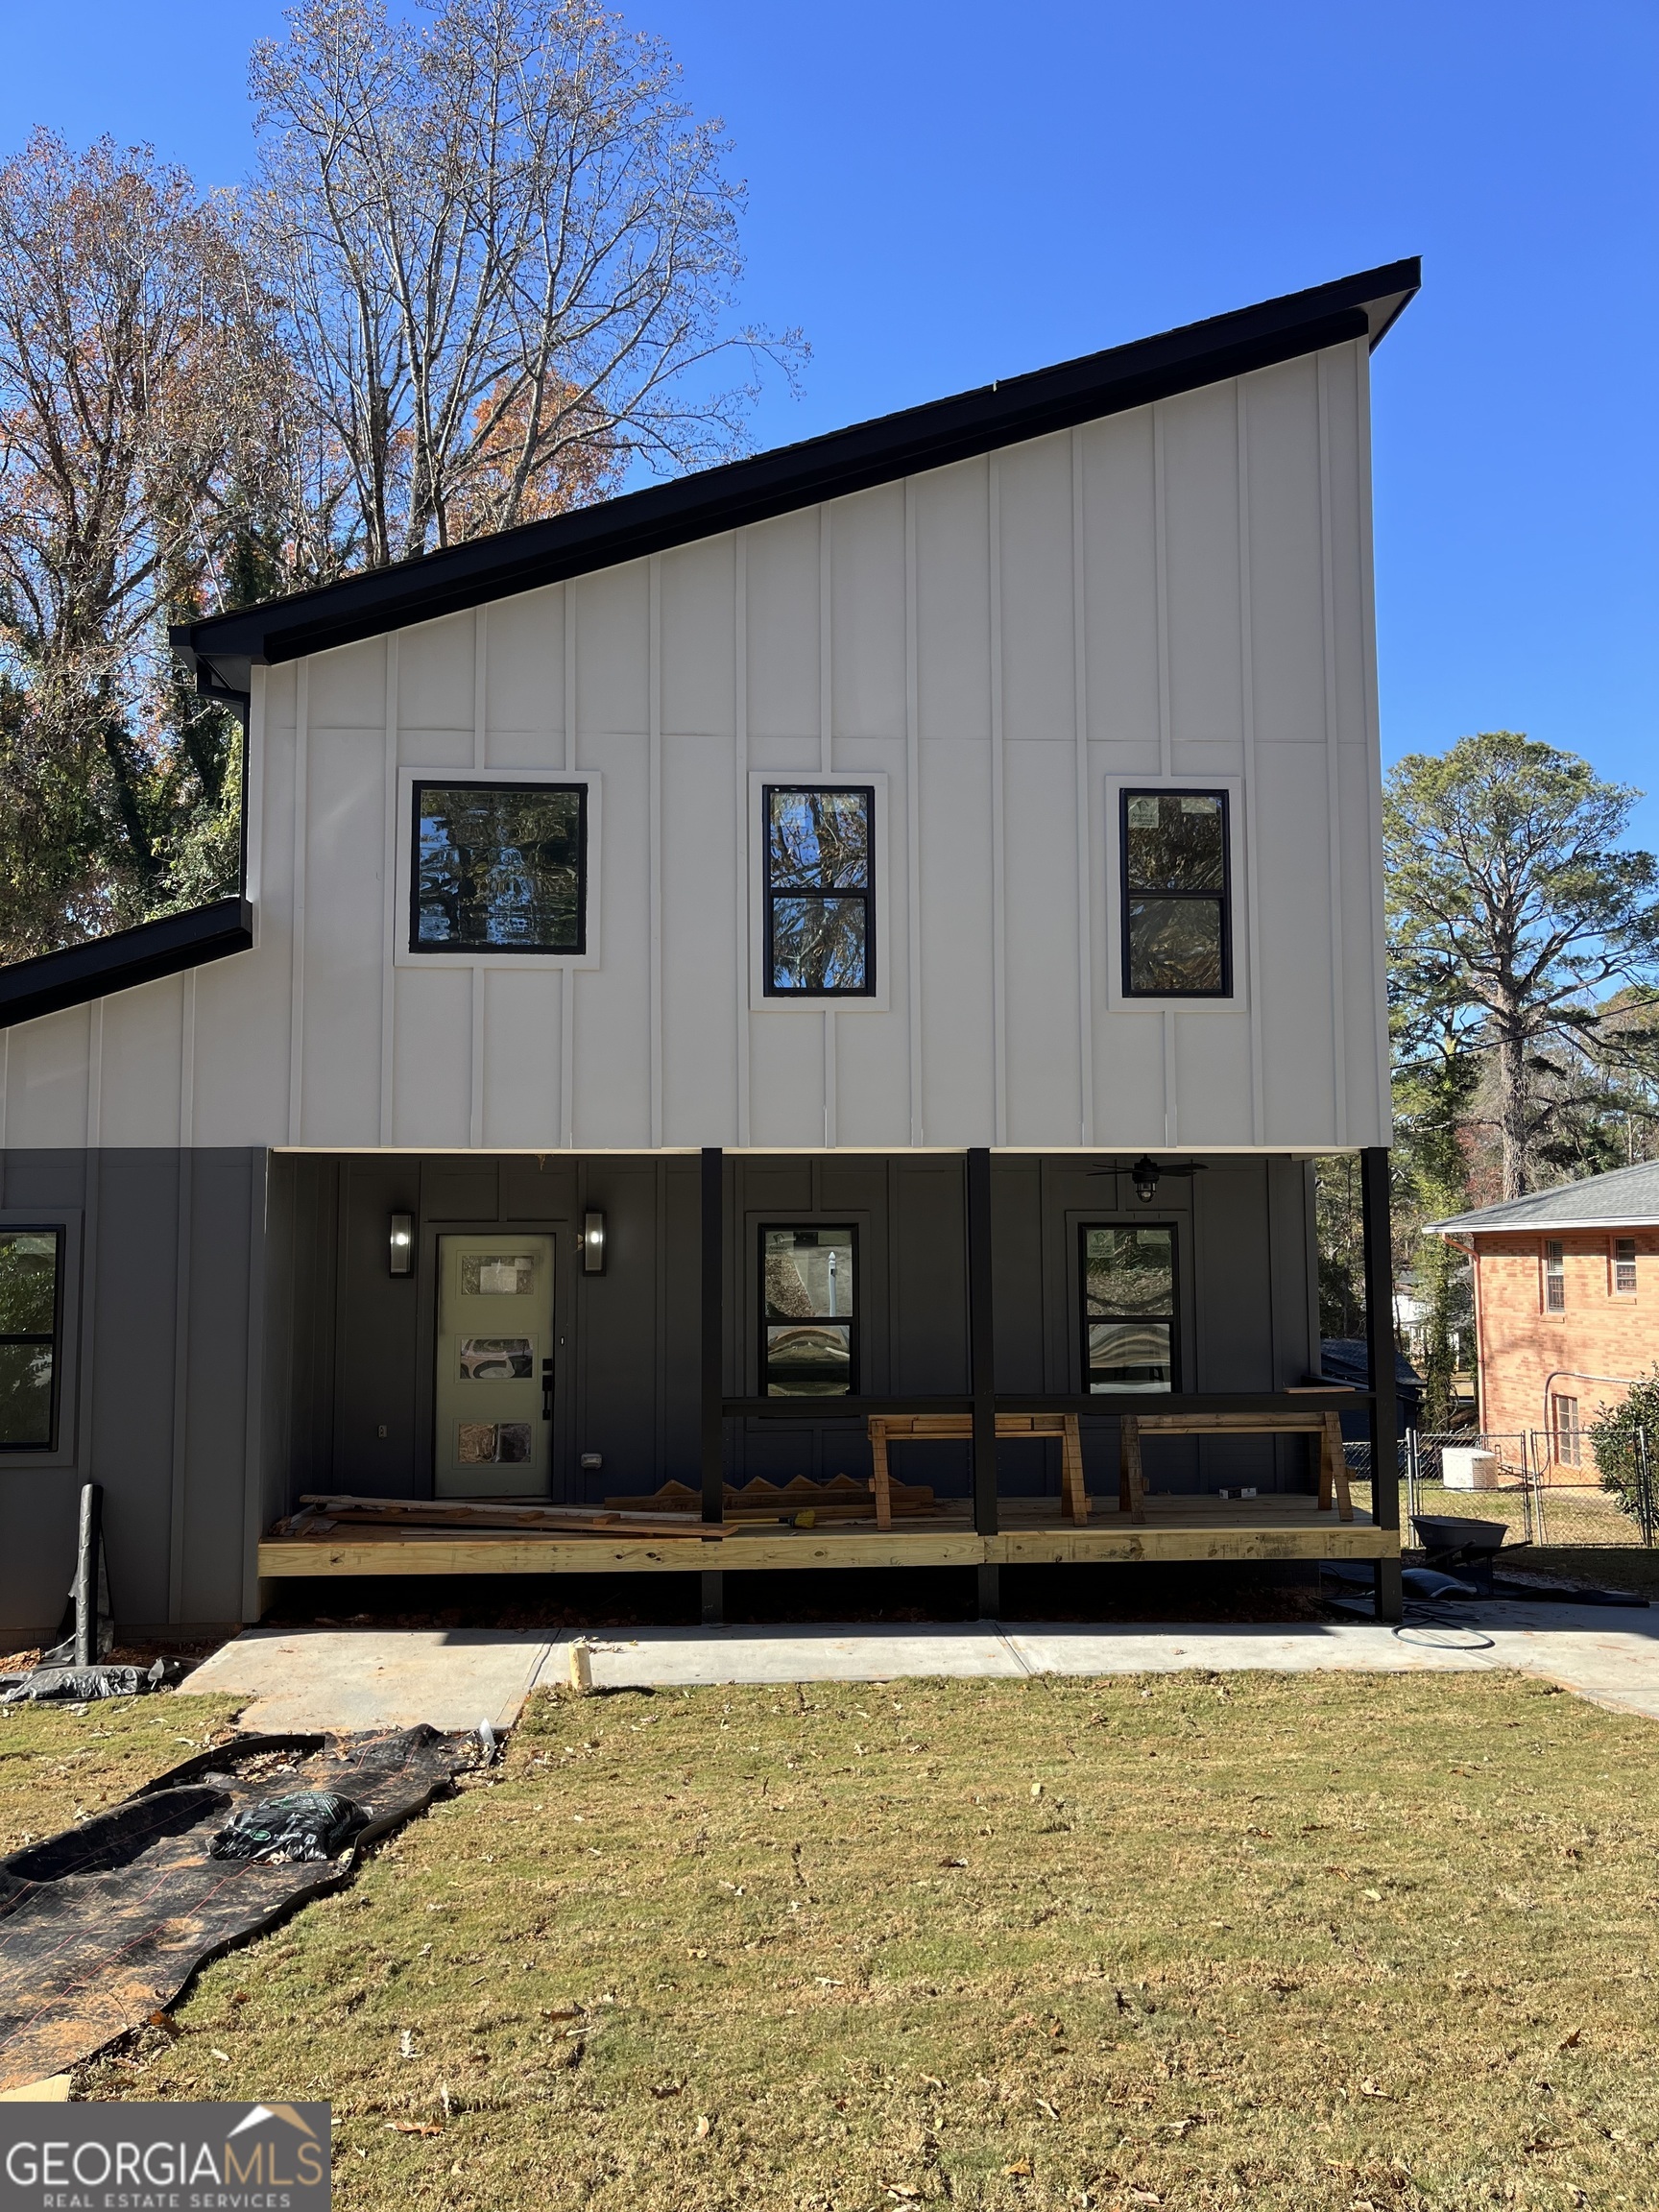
{"x": 345, "y": 1678}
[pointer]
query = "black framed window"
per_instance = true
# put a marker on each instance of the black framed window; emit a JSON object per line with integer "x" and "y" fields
{"x": 808, "y": 1312}
{"x": 498, "y": 867}
{"x": 1129, "y": 1332}
{"x": 30, "y": 1325}
{"x": 820, "y": 890}
{"x": 1177, "y": 906}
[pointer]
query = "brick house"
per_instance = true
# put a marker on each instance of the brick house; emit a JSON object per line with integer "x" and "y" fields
{"x": 1566, "y": 1306}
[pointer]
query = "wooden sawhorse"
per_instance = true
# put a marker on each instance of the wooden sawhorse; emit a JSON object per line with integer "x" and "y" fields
{"x": 1333, "y": 1467}
{"x": 958, "y": 1427}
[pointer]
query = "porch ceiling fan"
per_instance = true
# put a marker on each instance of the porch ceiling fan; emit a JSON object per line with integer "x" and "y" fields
{"x": 1147, "y": 1173}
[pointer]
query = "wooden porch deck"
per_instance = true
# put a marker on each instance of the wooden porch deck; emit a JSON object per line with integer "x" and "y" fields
{"x": 1032, "y": 1533}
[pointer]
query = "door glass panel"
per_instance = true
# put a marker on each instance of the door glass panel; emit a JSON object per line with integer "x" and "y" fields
{"x": 493, "y": 1400}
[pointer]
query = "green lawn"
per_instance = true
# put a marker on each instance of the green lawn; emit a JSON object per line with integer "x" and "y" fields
{"x": 1266, "y": 1941}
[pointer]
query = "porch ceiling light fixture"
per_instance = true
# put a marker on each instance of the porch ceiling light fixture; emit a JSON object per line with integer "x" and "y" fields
{"x": 1145, "y": 1172}
{"x": 593, "y": 1244}
{"x": 400, "y": 1246}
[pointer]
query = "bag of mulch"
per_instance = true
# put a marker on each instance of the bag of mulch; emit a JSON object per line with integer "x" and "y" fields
{"x": 301, "y": 1824}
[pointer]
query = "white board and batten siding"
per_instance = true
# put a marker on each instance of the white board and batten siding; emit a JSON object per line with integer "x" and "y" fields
{"x": 1180, "y": 594}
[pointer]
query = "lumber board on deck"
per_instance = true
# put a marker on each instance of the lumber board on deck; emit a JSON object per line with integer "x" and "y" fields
{"x": 464, "y": 1513}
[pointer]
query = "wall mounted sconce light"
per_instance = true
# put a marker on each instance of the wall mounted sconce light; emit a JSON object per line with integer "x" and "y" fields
{"x": 593, "y": 1244}
{"x": 1145, "y": 1172}
{"x": 400, "y": 1246}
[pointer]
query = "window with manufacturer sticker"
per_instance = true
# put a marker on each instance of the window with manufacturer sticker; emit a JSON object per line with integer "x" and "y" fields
{"x": 1175, "y": 869}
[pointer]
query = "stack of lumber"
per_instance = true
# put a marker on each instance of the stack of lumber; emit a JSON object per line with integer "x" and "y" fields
{"x": 840, "y": 1498}
{"x": 319, "y": 1514}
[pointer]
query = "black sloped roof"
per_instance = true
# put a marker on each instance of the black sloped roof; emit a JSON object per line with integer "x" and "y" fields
{"x": 221, "y": 648}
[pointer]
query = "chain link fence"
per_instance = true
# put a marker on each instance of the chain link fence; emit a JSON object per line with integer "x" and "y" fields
{"x": 1541, "y": 1484}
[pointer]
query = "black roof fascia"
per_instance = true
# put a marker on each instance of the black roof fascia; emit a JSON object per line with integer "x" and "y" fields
{"x": 222, "y": 648}
{"x": 81, "y": 973}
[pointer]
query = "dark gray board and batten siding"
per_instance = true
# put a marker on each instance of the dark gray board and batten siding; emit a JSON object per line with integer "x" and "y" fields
{"x": 158, "y": 1390}
{"x": 233, "y": 1337}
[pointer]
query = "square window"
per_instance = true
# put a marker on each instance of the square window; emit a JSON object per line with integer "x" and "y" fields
{"x": 1625, "y": 1266}
{"x": 1128, "y": 1309}
{"x": 808, "y": 1312}
{"x": 31, "y": 1271}
{"x": 1177, "y": 895}
{"x": 819, "y": 887}
{"x": 498, "y": 868}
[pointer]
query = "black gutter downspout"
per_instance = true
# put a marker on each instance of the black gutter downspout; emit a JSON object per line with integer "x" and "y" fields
{"x": 712, "y": 1431}
{"x": 981, "y": 1366}
{"x": 1384, "y": 1409}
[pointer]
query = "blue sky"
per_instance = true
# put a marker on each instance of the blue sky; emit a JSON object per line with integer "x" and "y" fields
{"x": 942, "y": 194}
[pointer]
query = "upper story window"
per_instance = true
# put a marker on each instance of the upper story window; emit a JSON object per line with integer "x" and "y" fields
{"x": 1129, "y": 1309}
{"x": 1625, "y": 1266}
{"x": 1554, "y": 1276}
{"x": 498, "y": 867}
{"x": 31, "y": 1308}
{"x": 1177, "y": 895}
{"x": 819, "y": 891}
{"x": 809, "y": 1314}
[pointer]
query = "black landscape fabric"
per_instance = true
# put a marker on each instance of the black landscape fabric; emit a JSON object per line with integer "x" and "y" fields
{"x": 105, "y": 1924}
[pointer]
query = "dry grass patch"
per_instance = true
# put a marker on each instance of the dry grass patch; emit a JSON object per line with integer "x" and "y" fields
{"x": 1264, "y": 1942}
{"x": 59, "y": 1765}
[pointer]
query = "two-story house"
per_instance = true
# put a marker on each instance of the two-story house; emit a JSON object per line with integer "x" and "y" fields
{"x": 879, "y": 926}
{"x": 1566, "y": 1310}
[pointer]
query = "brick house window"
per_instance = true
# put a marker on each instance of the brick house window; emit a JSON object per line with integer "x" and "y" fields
{"x": 1625, "y": 1266}
{"x": 1564, "y": 1420}
{"x": 1554, "y": 1276}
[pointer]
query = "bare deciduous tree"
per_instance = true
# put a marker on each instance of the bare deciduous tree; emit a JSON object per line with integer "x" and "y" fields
{"x": 132, "y": 338}
{"x": 506, "y": 253}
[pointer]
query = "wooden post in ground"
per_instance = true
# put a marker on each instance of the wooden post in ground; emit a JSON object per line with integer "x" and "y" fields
{"x": 1384, "y": 1415}
{"x": 981, "y": 1365}
{"x": 712, "y": 1428}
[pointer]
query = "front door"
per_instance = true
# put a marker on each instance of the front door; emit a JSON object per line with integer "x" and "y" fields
{"x": 494, "y": 1383}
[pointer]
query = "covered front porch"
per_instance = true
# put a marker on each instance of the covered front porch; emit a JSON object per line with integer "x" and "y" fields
{"x": 984, "y": 1477}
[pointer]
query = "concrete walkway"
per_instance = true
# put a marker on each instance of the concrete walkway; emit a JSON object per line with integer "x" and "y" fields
{"x": 302, "y": 1678}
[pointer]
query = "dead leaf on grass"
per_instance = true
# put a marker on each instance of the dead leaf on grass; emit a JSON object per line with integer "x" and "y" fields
{"x": 1019, "y": 2166}
{"x": 703, "y": 2128}
{"x": 1047, "y": 2110}
{"x": 666, "y": 2088}
{"x": 1370, "y": 2088}
{"x": 952, "y": 1862}
{"x": 931, "y": 2082}
{"x": 1569, "y": 2042}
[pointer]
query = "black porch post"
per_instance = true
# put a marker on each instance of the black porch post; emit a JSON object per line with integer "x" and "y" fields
{"x": 981, "y": 1361}
{"x": 712, "y": 1432}
{"x": 1379, "y": 1342}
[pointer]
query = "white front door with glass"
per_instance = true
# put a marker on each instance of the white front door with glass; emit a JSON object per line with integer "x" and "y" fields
{"x": 493, "y": 1399}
